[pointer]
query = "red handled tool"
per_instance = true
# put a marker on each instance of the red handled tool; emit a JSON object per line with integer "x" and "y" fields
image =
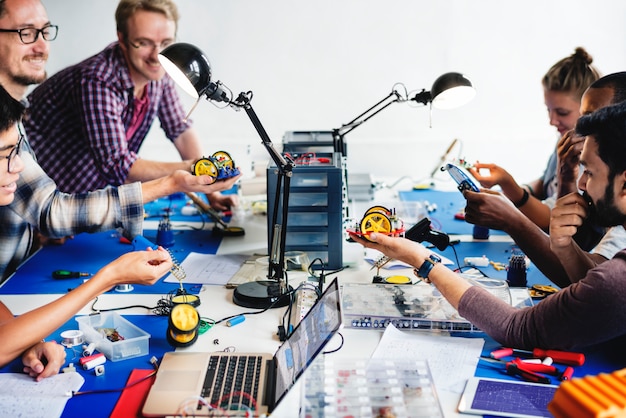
{"x": 529, "y": 372}
{"x": 563, "y": 357}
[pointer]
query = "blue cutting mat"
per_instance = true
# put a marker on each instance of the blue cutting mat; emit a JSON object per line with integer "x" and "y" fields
{"x": 448, "y": 204}
{"x": 90, "y": 252}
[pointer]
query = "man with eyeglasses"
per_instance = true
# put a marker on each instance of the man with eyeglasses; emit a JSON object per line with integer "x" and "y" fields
{"x": 38, "y": 204}
{"x": 87, "y": 122}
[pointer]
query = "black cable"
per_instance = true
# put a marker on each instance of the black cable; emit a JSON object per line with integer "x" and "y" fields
{"x": 338, "y": 348}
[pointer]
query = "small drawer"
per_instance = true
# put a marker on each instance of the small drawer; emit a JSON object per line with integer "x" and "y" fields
{"x": 307, "y": 219}
{"x": 306, "y": 238}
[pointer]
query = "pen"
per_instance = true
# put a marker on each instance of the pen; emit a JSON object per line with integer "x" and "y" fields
{"x": 67, "y": 274}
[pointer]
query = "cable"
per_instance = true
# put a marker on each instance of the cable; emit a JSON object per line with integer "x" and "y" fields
{"x": 130, "y": 385}
{"x": 338, "y": 348}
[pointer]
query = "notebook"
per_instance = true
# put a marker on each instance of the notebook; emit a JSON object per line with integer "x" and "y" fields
{"x": 182, "y": 375}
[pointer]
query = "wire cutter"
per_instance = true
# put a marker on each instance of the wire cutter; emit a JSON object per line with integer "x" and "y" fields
{"x": 529, "y": 372}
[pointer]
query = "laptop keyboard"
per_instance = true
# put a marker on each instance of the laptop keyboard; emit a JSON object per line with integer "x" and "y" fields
{"x": 232, "y": 382}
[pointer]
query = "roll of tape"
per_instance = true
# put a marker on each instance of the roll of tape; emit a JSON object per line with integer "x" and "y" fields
{"x": 72, "y": 337}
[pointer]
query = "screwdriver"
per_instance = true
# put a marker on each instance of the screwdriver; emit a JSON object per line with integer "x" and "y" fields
{"x": 67, "y": 274}
{"x": 562, "y": 357}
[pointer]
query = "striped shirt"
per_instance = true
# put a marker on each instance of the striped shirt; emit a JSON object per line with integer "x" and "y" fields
{"x": 39, "y": 205}
{"x": 78, "y": 120}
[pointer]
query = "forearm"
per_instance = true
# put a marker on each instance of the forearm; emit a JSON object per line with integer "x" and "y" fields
{"x": 145, "y": 170}
{"x": 536, "y": 211}
{"x": 578, "y": 263}
{"x": 35, "y": 325}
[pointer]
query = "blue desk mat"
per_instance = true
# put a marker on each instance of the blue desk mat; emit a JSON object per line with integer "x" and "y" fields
{"x": 90, "y": 252}
{"x": 173, "y": 205}
{"x": 116, "y": 373}
{"x": 448, "y": 204}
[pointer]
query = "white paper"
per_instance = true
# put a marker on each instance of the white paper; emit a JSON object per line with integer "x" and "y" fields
{"x": 22, "y": 396}
{"x": 209, "y": 268}
{"x": 452, "y": 360}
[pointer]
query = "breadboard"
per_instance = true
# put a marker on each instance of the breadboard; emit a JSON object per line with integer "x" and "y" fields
{"x": 305, "y": 299}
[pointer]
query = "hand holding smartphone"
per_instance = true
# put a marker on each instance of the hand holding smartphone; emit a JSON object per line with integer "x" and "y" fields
{"x": 463, "y": 179}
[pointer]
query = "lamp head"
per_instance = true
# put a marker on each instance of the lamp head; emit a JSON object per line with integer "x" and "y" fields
{"x": 188, "y": 66}
{"x": 449, "y": 90}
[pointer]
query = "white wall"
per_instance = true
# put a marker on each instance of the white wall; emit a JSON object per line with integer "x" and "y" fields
{"x": 314, "y": 65}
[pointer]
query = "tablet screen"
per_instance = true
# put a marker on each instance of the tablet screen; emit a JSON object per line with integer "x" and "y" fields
{"x": 506, "y": 398}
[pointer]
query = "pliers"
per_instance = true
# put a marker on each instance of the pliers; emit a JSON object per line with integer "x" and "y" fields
{"x": 530, "y": 372}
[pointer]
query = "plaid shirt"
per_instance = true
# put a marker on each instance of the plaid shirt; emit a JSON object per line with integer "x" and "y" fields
{"x": 78, "y": 119}
{"x": 39, "y": 205}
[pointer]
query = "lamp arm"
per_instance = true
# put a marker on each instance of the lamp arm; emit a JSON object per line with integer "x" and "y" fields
{"x": 285, "y": 167}
{"x": 344, "y": 129}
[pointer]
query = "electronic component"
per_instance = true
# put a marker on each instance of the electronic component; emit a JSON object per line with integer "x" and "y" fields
{"x": 183, "y": 324}
{"x": 92, "y": 361}
{"x": 219, "y": 166}
{"x": 462, "y": 177}
{"x": 236, "y": 320}
{"x": 476, "y": 261}
{"x": 67, "y": 274}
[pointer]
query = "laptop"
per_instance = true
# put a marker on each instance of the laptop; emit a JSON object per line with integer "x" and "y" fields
{"x": 190, "y": 377}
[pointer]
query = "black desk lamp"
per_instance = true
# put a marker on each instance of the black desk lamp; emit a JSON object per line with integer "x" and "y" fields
{"x": 191, "y": 70}
{"x": 449, "y": 90}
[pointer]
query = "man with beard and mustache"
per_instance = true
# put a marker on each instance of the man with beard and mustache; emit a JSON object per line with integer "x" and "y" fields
{"x": 588, "y": 312}
{"x": 494, "y": 210}
{"x": 87, "y": 122}
{"x": 25, "y": 35}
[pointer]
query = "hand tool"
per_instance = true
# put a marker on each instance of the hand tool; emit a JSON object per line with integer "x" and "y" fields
{"x": 563, "y": 357}
{"x": 527, "y": 371}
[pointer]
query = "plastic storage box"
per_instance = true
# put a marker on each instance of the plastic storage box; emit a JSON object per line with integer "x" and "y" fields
{"x": 135, "y": 341}
{"x": 316, "y": 209}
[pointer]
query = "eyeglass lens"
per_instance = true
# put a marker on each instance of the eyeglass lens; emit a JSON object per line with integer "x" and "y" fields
{"x": 29, "y": 35}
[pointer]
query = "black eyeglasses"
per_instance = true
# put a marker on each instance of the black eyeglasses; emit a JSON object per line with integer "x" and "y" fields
{"x": 30, "y": 35}
{"x": 14, "y": 152}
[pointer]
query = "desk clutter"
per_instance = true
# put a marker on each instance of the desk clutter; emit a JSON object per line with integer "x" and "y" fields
{"x": 415, "y": 308}
{"x": 369, "y": 388}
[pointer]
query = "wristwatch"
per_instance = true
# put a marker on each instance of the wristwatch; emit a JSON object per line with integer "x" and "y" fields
{"x": 427, "y": 266}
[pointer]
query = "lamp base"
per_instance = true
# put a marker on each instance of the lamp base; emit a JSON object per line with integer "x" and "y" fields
{"x": 261, "y": 295}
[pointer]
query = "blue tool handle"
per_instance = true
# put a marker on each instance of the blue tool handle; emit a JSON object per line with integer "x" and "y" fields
{"x": 140, "y": 243}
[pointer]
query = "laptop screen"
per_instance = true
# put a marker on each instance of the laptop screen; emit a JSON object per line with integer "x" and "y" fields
{"x": 308, "y": 339}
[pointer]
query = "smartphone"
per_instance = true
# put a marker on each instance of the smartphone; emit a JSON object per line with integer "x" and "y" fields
{"x": 505, "y": 398}
{"x": 463, "y": 178}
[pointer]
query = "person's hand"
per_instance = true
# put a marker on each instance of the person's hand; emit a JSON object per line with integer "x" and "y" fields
{"x": 186, "y": 182}
{"x": 568, "y": 214}
{"x": 397, "y": 248}
{"x": 568, "y": 149}
{"x": 489, "y": 175}
{"x": 44, "y": 359}
{"x": 136, "y": 267}
{"x": 219, "y": 201}
{"x": 489, "y": 208}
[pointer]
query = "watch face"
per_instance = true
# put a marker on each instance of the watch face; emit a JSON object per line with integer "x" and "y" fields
{"x": 435, "y": 258}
